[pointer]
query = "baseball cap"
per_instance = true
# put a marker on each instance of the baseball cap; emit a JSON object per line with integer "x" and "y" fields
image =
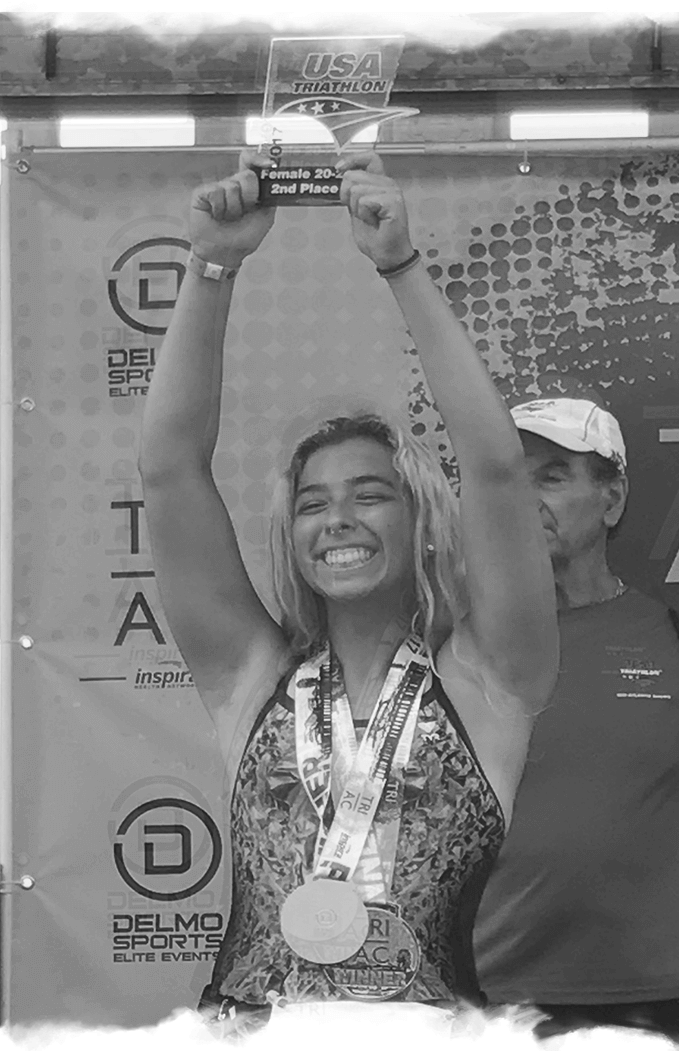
{"x": 574, "y": 423}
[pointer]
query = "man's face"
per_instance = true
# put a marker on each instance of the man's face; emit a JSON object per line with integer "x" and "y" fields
{"x": 576, "y": 511}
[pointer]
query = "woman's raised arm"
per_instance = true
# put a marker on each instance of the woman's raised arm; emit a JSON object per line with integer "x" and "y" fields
{"x": 216, "y": 617}
{"x": 512, "y": 623}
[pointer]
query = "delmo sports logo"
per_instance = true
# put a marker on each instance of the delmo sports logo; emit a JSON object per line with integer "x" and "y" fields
{"x": 136, "y": 268}
{"x": 145, "y": 268}
{"x": 167, "y": 850}
{"x": 166, "y": 845}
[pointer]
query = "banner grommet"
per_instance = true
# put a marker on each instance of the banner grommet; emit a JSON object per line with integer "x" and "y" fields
{"x": 25, "y": 882}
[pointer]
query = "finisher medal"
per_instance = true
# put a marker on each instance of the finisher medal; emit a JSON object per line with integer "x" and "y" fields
{"x": 324, "y": 921}
{"x": 385, "y": 965}
{"x": 368, "y": 952}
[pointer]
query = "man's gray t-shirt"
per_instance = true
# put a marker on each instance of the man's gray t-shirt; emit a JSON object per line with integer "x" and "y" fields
{"x": 583, "y": 904}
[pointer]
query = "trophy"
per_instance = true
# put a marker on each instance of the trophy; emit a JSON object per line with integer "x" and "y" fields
{"x": 344, "y": 83}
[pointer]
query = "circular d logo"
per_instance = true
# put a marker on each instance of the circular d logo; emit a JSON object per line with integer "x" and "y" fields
{"x": 146, "y": 279}
{"x": 167, "y": 849}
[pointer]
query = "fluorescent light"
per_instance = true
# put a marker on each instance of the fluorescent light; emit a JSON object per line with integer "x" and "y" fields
{"x": 582, "y": 124}
{"x": 3, "y": 148}
{"x": 296, "y": 131}
{"x": 368, "y": 134}
{"x": 120, "y": 132}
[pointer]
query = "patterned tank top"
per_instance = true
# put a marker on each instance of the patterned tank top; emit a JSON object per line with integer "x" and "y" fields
{"x": 452, "y": 827}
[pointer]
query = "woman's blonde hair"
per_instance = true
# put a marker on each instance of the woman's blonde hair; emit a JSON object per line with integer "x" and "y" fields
{"x": 439, "y": 576}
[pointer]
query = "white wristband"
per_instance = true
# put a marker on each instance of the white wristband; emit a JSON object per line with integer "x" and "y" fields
{"x": 213, "y": 271}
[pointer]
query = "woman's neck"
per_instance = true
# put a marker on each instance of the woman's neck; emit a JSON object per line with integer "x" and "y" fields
{"x": 365, "y": 642}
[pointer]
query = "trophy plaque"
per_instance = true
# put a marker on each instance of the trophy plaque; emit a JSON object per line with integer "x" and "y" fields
{"x": 344, "y": 83}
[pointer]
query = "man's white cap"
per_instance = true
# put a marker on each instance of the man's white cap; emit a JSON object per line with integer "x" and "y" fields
{"x": 574, "y": 423}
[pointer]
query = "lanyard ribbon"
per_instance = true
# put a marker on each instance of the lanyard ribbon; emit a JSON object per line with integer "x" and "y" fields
{"x": 331, "y": 763}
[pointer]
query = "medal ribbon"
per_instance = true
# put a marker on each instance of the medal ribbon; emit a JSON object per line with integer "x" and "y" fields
{"x": 386, "y": 743}
{"x": 313, "y": 731}
{"x": 374, "y": 872}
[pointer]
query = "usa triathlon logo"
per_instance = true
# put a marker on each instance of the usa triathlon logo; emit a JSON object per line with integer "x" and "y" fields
{"x": 343, "y": 82}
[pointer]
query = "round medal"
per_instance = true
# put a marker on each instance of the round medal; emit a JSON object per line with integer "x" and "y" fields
{"x": 324, "y": 921}
{"x": 385, "y": 964}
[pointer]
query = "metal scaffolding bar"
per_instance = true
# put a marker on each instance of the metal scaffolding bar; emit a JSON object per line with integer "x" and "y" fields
{"x": 6, "y": 648}
{"x": 490, "y": 147}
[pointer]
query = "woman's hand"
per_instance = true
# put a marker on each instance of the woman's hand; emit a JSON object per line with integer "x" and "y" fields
{"x": 226, "y": 222}
{"x": 379, "y": 220}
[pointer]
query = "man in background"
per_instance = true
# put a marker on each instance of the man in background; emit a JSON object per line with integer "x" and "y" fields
{"x": 581, "y": 914}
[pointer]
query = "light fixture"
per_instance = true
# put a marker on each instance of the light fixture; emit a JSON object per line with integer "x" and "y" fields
{"x": 3, "y": 148}
{"x": 125, "y": 132}
{"x": 297, "y": 131}
{"x": 579, "y": 124}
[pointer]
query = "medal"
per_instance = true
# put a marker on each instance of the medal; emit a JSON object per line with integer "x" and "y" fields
{"x": 324, "y": 921}
{"x": 368, "y": 952}
{"x": 385, "y": 965}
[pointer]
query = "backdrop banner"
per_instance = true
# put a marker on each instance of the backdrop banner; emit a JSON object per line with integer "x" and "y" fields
{"x": 568, "y": 274}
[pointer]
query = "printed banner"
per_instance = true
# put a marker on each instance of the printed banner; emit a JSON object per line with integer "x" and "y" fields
{"x": 120, "y": 803}
{"x": 121, "y": 806}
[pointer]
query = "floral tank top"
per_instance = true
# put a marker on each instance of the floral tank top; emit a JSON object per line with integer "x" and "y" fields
{"x": 451, "y": 830}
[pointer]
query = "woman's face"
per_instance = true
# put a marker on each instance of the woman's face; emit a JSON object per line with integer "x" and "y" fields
{"x": 353, "y": 525}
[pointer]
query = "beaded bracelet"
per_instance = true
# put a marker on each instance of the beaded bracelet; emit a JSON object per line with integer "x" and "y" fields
{"x": 408, "y": 264}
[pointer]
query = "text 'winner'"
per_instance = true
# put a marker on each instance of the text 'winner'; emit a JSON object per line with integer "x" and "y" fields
{"x": 300, "y": 185}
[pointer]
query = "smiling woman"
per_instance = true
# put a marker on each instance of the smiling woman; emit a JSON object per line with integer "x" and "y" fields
{"x": 384, "y": 500}
{"x": 376, "y": 731}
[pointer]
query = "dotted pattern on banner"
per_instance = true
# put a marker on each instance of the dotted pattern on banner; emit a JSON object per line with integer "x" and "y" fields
{"x": 564, "y": 278}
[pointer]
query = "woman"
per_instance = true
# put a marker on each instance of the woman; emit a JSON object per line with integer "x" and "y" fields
{"x": 395, "y": 699}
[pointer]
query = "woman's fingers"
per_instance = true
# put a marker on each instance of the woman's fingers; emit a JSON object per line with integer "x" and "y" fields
{"x": 203, "y": 198}
{"x": 368, "y": 162}
{"x": 249, "y": 188}
{"x": 368, "y": 208}
{"x": 360, "y": 177}
{"x": 249, "y": 163}
{"x": 233, "y": 209}
{"x": 218, "y": 201}
{"x": 373, "y": 204}
{"x": 249, "y": 159}
{"x": 379, "y": 221}
{"x": 226, "y": 215}
{"x": 227, "y": 201}
{"x": 373, "y": 210}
